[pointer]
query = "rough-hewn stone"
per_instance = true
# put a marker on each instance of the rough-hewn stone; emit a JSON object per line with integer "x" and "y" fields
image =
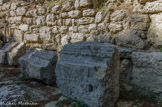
{"x": 89, "y": 72}
{"x": 21, "y": 11}
{"x": 86, "y": 20}
{"x": 31, "y": 37}
{"x": 39, "y": 64}
{"x": 149, "y": 7}
{"x": 4, "y": 52}
{"x": 155, "y": 30}
{"x": 18, "y": 36}
{"x": 130, "y": 39}
{"x": 147, "y": 73}
{"x": 16, "y": 53}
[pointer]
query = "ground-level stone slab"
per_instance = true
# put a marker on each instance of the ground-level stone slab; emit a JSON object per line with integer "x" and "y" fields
{"x": 39, "y": 64}
{"x": 89, "y": 72}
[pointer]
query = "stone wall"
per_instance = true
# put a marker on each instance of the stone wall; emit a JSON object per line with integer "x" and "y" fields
{"x": 118, "y": 22}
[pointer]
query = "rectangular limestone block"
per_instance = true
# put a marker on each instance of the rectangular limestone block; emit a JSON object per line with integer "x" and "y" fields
{"x": 147, "y": 73}
{"x": 39, "y": 64}
{"x": 89, "y": 72}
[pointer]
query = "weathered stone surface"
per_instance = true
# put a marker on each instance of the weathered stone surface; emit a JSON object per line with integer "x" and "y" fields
{"x": 4, "y": 52}
{"x": 18, "y": 36}
{"x": 45, "y": 33}
{"x": 41, "y": 20}
{"x": 31, "y": 37}
{"x": 41, "y": 11}
{"x": 118, "y": 15}
{"x": 65, "y": 40}
{"x": 147, "y": 73}
{"x": 24, "y": 27}
{"x": 64, "y": 14}
{"x": 149, "y": 7}
{"x": 99, "y": 17}
{"x": 67, "y": 22}
{"x": 85, "y": 3}
{"x": 89, "y": 12}
{"x": 14, "y": 5}
{"x": 56, "y": 9}
{"x": 13, "y": 93}
{"x": 89, "y": 72}
{"x": 83, "y": 29}
{"x": 32, "y": 12}
{"x": 125, "y": 53}
{"x": 12, "y": 13}
{"x": 126, "y": 74}
{"x": 21, "y": 11}
{"x": 16, "y": 53}
{"x": 102, "y": 27}
{"x": 74, "y": 14}
{"x": 18, "y": 19}
{"x": 73, "y": 29}
{"x": 139, "y": 22}
{"x": 50, "y": 19}
{"x": 155, "y": 30}
{"x": 129, "y": 39}
{"x": 28, "y": 21}
{"x": 86, "y": 20}
{"x": 92, "y": 27}
{"x": 39, "y": 64}
{"x": 82, "y": 3}
{"x": 63, "y": 29}
{"x": 77, "y": 37}
{"x": 67, "y": 6}
{"x": 45, "y": 36}
{"x": 55, "y": 30}
{"x": 115, "y": 27}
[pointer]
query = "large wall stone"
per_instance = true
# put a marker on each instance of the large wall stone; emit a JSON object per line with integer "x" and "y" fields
{"x": 147, "y": 73}
{"x": 89, "y": 72}
{"x": 155, "y": 30}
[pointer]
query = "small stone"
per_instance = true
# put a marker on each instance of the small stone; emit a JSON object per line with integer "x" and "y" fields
{"x": 18, "y": 36}
{"x": 118, "y": 15}
{"x": 24, "y": 27}
{"x": 41, "y": 11}
{"x": 89, "y": 12}
{"x": 99, "y": 17}
{"x": 115, "y": 27}
{"x": 31, "y": 37}
{"x": 77, "y": 37}
{"x": 21, "y": 11}
{"x": 74, "y": 14}
{"x": 86, "y": 20}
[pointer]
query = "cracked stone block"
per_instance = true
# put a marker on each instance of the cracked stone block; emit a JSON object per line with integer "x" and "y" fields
{"x": 89, "y": 72}
{"x": 39, "y": 64}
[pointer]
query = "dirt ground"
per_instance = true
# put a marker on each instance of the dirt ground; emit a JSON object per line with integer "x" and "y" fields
{"x": 125, "y": 99}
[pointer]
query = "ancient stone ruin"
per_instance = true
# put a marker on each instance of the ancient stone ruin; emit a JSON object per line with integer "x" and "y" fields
{"x": 90, "y": 51}
{"x": 89, "y": 72}
{"x": 39, "y": 64}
